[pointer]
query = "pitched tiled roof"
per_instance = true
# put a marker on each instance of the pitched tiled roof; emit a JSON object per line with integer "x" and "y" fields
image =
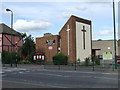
{"x": 7, "y": 30}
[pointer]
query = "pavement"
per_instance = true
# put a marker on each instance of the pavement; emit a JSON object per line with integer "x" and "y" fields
{"x": 107, "y": 69}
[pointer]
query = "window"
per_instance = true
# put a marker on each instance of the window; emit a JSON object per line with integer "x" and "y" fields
{"x": 34, "y": 57}
{"x": 42, "y": 57}
{"x": 37, "y": 57}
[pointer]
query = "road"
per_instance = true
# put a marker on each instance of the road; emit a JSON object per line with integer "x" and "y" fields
{"x": 40, "y": 78}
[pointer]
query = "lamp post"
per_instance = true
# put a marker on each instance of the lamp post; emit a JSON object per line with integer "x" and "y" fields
{"x": 8, "y": 10}
{"x": 114, "y": 33}
{"x": 16, "y": 53}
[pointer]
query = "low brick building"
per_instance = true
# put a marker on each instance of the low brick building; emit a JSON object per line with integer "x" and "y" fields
{"x": 74, "y": 40}
{"x": 106, "y": 47}
{"x": 48, "y": 44}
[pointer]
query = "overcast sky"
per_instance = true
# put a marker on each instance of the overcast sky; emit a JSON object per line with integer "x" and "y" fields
{"x": 37, "y": 18}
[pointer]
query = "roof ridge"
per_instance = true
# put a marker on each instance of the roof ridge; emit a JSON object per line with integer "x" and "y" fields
{"x": 6, "y": 29}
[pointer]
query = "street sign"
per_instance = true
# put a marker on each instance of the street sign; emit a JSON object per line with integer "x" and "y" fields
{"x": 107, "y": 55}
{"x": 50, "y": 47}
{"x": 50, "y": 42}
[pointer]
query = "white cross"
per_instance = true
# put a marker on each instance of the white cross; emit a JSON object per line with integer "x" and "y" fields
{"x": 68, "y": 29}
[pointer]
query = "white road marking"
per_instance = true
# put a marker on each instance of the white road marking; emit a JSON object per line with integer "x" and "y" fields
{"x": 81, "y": 76}
{"x": 54, "y": 75}
{"x": 106, "y": 78}
{"x": 2, "y": 72}
{"x": 8, "y": 70}
{"x": 27, "y": 71}
{"x": 20, "y": 72}
{"x": 85, "y": 76}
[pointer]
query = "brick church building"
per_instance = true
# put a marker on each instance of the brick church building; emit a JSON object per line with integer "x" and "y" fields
{"x": 74, "y": 40}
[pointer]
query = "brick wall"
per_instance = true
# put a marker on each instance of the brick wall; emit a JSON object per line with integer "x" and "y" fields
{"x": 119, "y": 47}
{"x": 72, "y": 42}
{"x": 0, "y": 42}
{"x": 64, "y": 37}
{"x": 7, "y": 42}
{"x": 41, "y": 46}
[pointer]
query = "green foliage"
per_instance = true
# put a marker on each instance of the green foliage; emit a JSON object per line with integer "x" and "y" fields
{"x": 99, "y": 39}
{"x": 8, "y": 57}
{"x": 25, "y": 62}
{"x": 95, "y": 60}
{"x": 60, "y": 59}
{"x": 28, "y": 48}
{"x": 5, "y": 57}
{"x": 40, "y": 62}
{"x": 78, "y": 62}
{"x": 87, "y": 61}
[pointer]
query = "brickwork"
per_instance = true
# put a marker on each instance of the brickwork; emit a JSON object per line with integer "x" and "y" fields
{"x": 72, "y": 42}
{"x": 105, "y": 46}
{"x": 119, "y": 47}
{"x": 5, "y": 38}
{"x": 43, "y": 47}
{"x": 63, "y": 34}
{"x": 64, "y": 39}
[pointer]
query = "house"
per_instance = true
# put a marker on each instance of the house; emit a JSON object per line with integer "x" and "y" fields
{"x": 10, "y": 40}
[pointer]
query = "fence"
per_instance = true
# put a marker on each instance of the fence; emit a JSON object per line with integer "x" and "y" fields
{"x": 105, "y": 66}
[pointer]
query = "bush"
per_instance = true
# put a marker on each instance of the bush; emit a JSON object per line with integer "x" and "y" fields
{"x": 40, "y": 62}
{"x": 9, "y": 57}
{"x": 96, "y": 60}
{"x": 60, "y": 59}
{"x": 24, "y": 62}
{"x": 15, "y": 56}
{"x": 5, "y": 57}
{"x": 87, "y": 61}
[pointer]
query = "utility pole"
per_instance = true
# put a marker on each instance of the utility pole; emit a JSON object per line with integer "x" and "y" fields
{"x": 114, "y": 34}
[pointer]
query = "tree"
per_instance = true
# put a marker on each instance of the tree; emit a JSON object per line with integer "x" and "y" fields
{"x": 60, "y": 59}
{"x": 28, "y": 48}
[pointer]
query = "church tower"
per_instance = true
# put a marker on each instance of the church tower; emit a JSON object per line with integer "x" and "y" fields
{"x": 76, "y": 39}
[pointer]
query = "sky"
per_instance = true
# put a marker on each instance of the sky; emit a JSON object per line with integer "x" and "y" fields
{"x": 37, "y": 18}
{"x": 119, "y": 20}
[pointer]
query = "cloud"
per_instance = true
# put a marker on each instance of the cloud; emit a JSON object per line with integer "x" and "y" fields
{"x": 105, "y": 32}
{"x": 34, "y": 25}
{"x": 65, "y": 15}
{"x": 57, "y": 13}
{"x": 82, "y": 8}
